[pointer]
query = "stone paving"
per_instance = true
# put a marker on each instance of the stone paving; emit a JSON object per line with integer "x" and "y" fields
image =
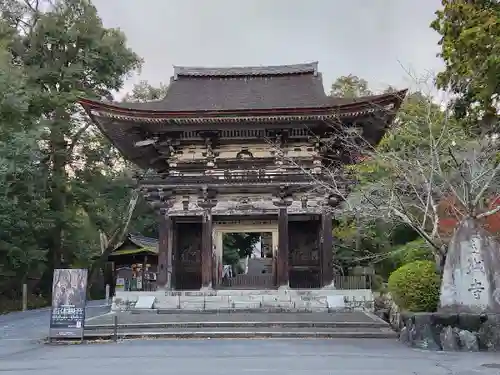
{"x": 34, "y": 324}
{"x": 21, "y": 354}
{"x": 229, "y": 357}
{"x": 20, "y": 332}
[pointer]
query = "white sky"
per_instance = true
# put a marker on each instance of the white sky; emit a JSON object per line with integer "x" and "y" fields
{"x": 377, "y": 40}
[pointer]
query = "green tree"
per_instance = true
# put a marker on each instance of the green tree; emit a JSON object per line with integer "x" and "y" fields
{"x": 238, "y": 245}
{"x": 24, "y": 215}
{"x": 425, "y": 160}
{"x": 144, "y": 91}
{"x": 66, "y": 54}
{"x": 350, "y": 86}
{"x": 470, "y": 48}
{"x": 361, "y": 240}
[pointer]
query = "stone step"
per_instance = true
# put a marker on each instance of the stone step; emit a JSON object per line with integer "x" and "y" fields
{"x": 247, "y": 332}
{"x": 237, "y": 324}
{"x": 152, "y": 316}
{"x": 240, "y": 302}
{"x": 242, "y": 309}
{"x": 248, "y": 306}
{"x": 255, "y": 292}
{"x": 188, "y": 324}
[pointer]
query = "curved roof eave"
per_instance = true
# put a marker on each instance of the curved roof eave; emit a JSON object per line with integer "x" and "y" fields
{"x": 336, "y": 105}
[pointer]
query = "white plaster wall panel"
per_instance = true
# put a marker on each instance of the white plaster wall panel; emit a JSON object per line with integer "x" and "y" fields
{"x": 193, "y": 153}
{"x": 245, "y": 204}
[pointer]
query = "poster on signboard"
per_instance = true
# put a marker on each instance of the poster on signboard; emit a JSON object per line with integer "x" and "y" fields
{"x": 69, "y": 297}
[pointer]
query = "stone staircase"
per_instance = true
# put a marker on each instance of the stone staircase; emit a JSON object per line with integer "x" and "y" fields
{"x": 314, "y": 313}
{"x": 123, "y": 325}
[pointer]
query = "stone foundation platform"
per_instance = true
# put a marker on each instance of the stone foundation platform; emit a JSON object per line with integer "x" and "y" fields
{"x": 245, "y": 300}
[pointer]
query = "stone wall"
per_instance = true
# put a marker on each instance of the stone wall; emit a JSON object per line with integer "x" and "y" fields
{"x": 451, "y": 332}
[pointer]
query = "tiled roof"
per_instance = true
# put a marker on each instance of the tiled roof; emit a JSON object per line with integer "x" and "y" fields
{"x": 267, "y": 87}
{"x": 245, "y": 71}
{"x": 210, "y": 96}
{"x": 140, "y": 241}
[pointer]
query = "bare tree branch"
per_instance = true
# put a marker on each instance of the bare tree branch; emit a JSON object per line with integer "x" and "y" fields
{"x": 425, "y": 170}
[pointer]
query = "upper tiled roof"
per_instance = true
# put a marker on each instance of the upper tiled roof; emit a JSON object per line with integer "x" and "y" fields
{"x": 240, "y": 88}
{"x": 245, "y": 71}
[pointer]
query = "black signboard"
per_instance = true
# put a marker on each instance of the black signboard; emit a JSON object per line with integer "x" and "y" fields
{"x": 67, "y": 316}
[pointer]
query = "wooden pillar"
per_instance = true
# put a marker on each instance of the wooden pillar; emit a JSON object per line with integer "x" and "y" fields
{"x": 143, "y": 273}
{"x": 162, "y": 251}
{"x": 327, "y": 249}
{"x": 170, "y": 247}
{"x": 174, "y": 252}
{"x": 283, "y": 248}
{"x": 207, "y": 249}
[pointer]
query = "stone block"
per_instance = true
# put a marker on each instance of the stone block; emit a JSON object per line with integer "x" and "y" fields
{"x": 422, "y": 332}
{"x": 145, "y": 302}
{"x": 404, "y": 336}
{"x": 468, "y": 341}
{"x": 335, "y": 302}
{"x": 450, "y": 340}
{"x": 489, "y": 334}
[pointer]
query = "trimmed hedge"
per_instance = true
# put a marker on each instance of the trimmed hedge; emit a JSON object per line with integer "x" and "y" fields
{"x": 415, "y": 286}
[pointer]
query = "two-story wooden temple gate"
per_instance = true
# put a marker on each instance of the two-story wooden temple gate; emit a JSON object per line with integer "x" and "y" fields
{"x": 194, "y": 258}
{"x": 244, "y": 145}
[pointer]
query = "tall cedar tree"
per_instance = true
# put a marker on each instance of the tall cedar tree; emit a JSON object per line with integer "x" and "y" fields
{"x": 68, "y": 53}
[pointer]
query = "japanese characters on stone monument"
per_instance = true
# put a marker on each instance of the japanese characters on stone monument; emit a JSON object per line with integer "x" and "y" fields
{"x": 243, "y": 149}
{"x": 471, "y": 275}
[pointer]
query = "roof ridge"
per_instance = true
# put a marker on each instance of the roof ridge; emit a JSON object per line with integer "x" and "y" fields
{"x": 193, "y": 71}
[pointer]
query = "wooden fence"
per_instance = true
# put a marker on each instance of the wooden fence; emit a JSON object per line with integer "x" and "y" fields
{"x": 267, "y": 281}
{"x": 264, "y": 281}
{"x": 353, "y": 282}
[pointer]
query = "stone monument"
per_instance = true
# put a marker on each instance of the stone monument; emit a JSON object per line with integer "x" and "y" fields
{"x": 468, "y": 316}
{"x": 471, "y": 275}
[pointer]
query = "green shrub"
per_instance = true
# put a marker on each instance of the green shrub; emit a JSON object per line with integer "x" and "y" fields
{"x": 378, "y": 283}
{"x": 34, "y": 302}
{"x": 412, "y": 251}
{"x": 415, "y": 286}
